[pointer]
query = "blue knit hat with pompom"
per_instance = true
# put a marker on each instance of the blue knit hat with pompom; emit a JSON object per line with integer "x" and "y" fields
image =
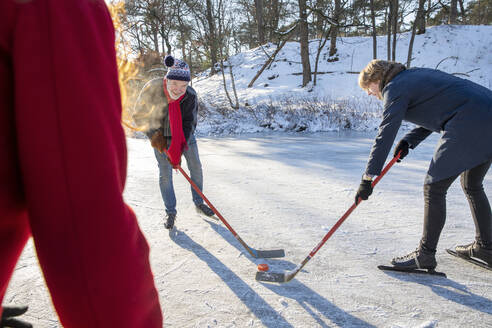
{"x": 177, "y": 69}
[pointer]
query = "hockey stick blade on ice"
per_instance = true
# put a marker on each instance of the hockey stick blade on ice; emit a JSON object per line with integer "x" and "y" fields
{"x": 256, "y": 253}
{"x": 281, "y": 277}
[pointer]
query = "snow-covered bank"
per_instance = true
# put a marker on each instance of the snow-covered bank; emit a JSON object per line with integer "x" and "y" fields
{"x": 277, "y": 102}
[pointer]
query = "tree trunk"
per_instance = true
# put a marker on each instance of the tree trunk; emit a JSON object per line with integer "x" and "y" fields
{"x": 320, "y": 20}
{"x": 259, "y": 21}
{"x": 374, "y": 35}
{"x": 251, "y": 43}
{"x": 388, "y": 28}
{"x": 429, "y": 10}
{"x": 165, "y": 42}
{"x": 463, "y": 13}
{"x": 304, "y": 40}
{"x": 453, "y": 12}
{"x": 422, "y": 21}
{"x": 395, "y": 28}
{"x": 190, "y": 65}
{"x": 322, "y": 42}
{"x": 234, "y": 105}
{"x": 334, "y": 29}
{"x": 155, "y": 35}
{"x": 183, "y": 47}
{"x": 418, "y": 17}
{"x": 182, "y": 38}
{"x": 212, "y": 38}
{"x": 271, "y": 20}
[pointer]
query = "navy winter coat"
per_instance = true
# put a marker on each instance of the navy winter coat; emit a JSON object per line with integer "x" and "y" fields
{"x": 458, "y": 109}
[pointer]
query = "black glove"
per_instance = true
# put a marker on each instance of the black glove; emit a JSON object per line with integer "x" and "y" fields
{"x": 8, "y": 320}
{"x": 403, "y": 146}
{"x": 364, "y": 191}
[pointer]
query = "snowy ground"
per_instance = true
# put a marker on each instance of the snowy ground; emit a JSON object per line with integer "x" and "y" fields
{"x": 287, "y": 190}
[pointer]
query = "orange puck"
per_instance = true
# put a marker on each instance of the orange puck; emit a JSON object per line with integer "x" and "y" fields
{"x": 263, "y": 267}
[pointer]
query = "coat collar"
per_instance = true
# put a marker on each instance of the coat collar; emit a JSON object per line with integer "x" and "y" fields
{"x": 393, "y": 70}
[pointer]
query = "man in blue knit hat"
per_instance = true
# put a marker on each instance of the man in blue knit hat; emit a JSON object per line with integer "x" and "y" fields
{"x": 168, "y": 107}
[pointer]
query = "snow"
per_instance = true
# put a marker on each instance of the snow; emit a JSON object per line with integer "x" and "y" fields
{"x": 281, "y": 104}
{"x": 286, "y": 190}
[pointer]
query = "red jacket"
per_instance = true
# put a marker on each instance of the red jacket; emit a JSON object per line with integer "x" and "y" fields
{"x": 63, "y": 164}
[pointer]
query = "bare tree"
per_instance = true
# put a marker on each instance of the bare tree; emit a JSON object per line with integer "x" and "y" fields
{"x": 224, "y": 33}
{"x": 334, "y": 28}
{"x": 463, "y": 12}
{"x": 304, "y": 41}
{"x": 394, "y": 28}
{"x": 374, "y": 34}
{"x": 259, "y": 21}
{"x": 423, "y": 21}
{"x": 453, "y": 12}
{"x": 272, "y": 57}
{"x": 272, "y": 18}
{"x": 319, "y": 18}
{"x": 418, "y": 16}
{"x": 388, "y": 28}
{"x": 212, "y": 39}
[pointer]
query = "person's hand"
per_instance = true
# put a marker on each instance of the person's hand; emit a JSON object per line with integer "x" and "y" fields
{"x": 158, "y": 141}
{"x": 364, "y": 191}
{"x": 403, "y": 146}
{"x": 8, "y": 320}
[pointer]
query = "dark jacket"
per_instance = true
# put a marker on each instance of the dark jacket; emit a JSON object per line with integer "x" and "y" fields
{"x": 458, "y": 109}
{"x": 151, "y": 110}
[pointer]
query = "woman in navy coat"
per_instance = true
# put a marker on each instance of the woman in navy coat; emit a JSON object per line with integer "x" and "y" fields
{"x": 461, "y": 112}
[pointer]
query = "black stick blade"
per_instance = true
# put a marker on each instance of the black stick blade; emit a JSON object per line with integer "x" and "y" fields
{"x": 270, "y": 276}
{"x": 267, "y": 254}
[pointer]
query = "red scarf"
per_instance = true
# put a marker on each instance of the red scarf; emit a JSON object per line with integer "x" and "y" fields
{"x": 178, "y": 141}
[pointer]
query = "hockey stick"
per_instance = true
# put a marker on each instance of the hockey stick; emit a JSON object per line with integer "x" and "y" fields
{"x": 288, "y": 276}
{"x": 256, "y": 253}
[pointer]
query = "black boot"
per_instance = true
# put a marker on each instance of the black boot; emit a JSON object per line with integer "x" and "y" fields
{"x": 475, "y": 250}
{"x": 170, "y": 221}
{"x": 418, "y": 259}
{"x": 202, "y": 208}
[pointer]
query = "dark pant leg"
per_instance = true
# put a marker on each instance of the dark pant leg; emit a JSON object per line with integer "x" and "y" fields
{"x": 472, "y": 184}
{"x": 434, "y": 212}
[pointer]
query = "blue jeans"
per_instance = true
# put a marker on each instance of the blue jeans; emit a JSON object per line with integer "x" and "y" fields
{"x": 166, "y": 175}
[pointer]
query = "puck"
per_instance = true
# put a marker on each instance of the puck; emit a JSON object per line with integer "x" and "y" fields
{"x": 263, "y": 267}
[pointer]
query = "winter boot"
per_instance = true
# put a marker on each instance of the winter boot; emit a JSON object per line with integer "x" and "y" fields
{"x": 202, "y": 208}
{"x": 170, "y": 221}
{"x": 418, "y": 259}
{"x": 475, "y": 250}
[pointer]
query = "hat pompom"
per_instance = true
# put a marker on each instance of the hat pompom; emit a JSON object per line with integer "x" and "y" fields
{"x": 169, "y": 61}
